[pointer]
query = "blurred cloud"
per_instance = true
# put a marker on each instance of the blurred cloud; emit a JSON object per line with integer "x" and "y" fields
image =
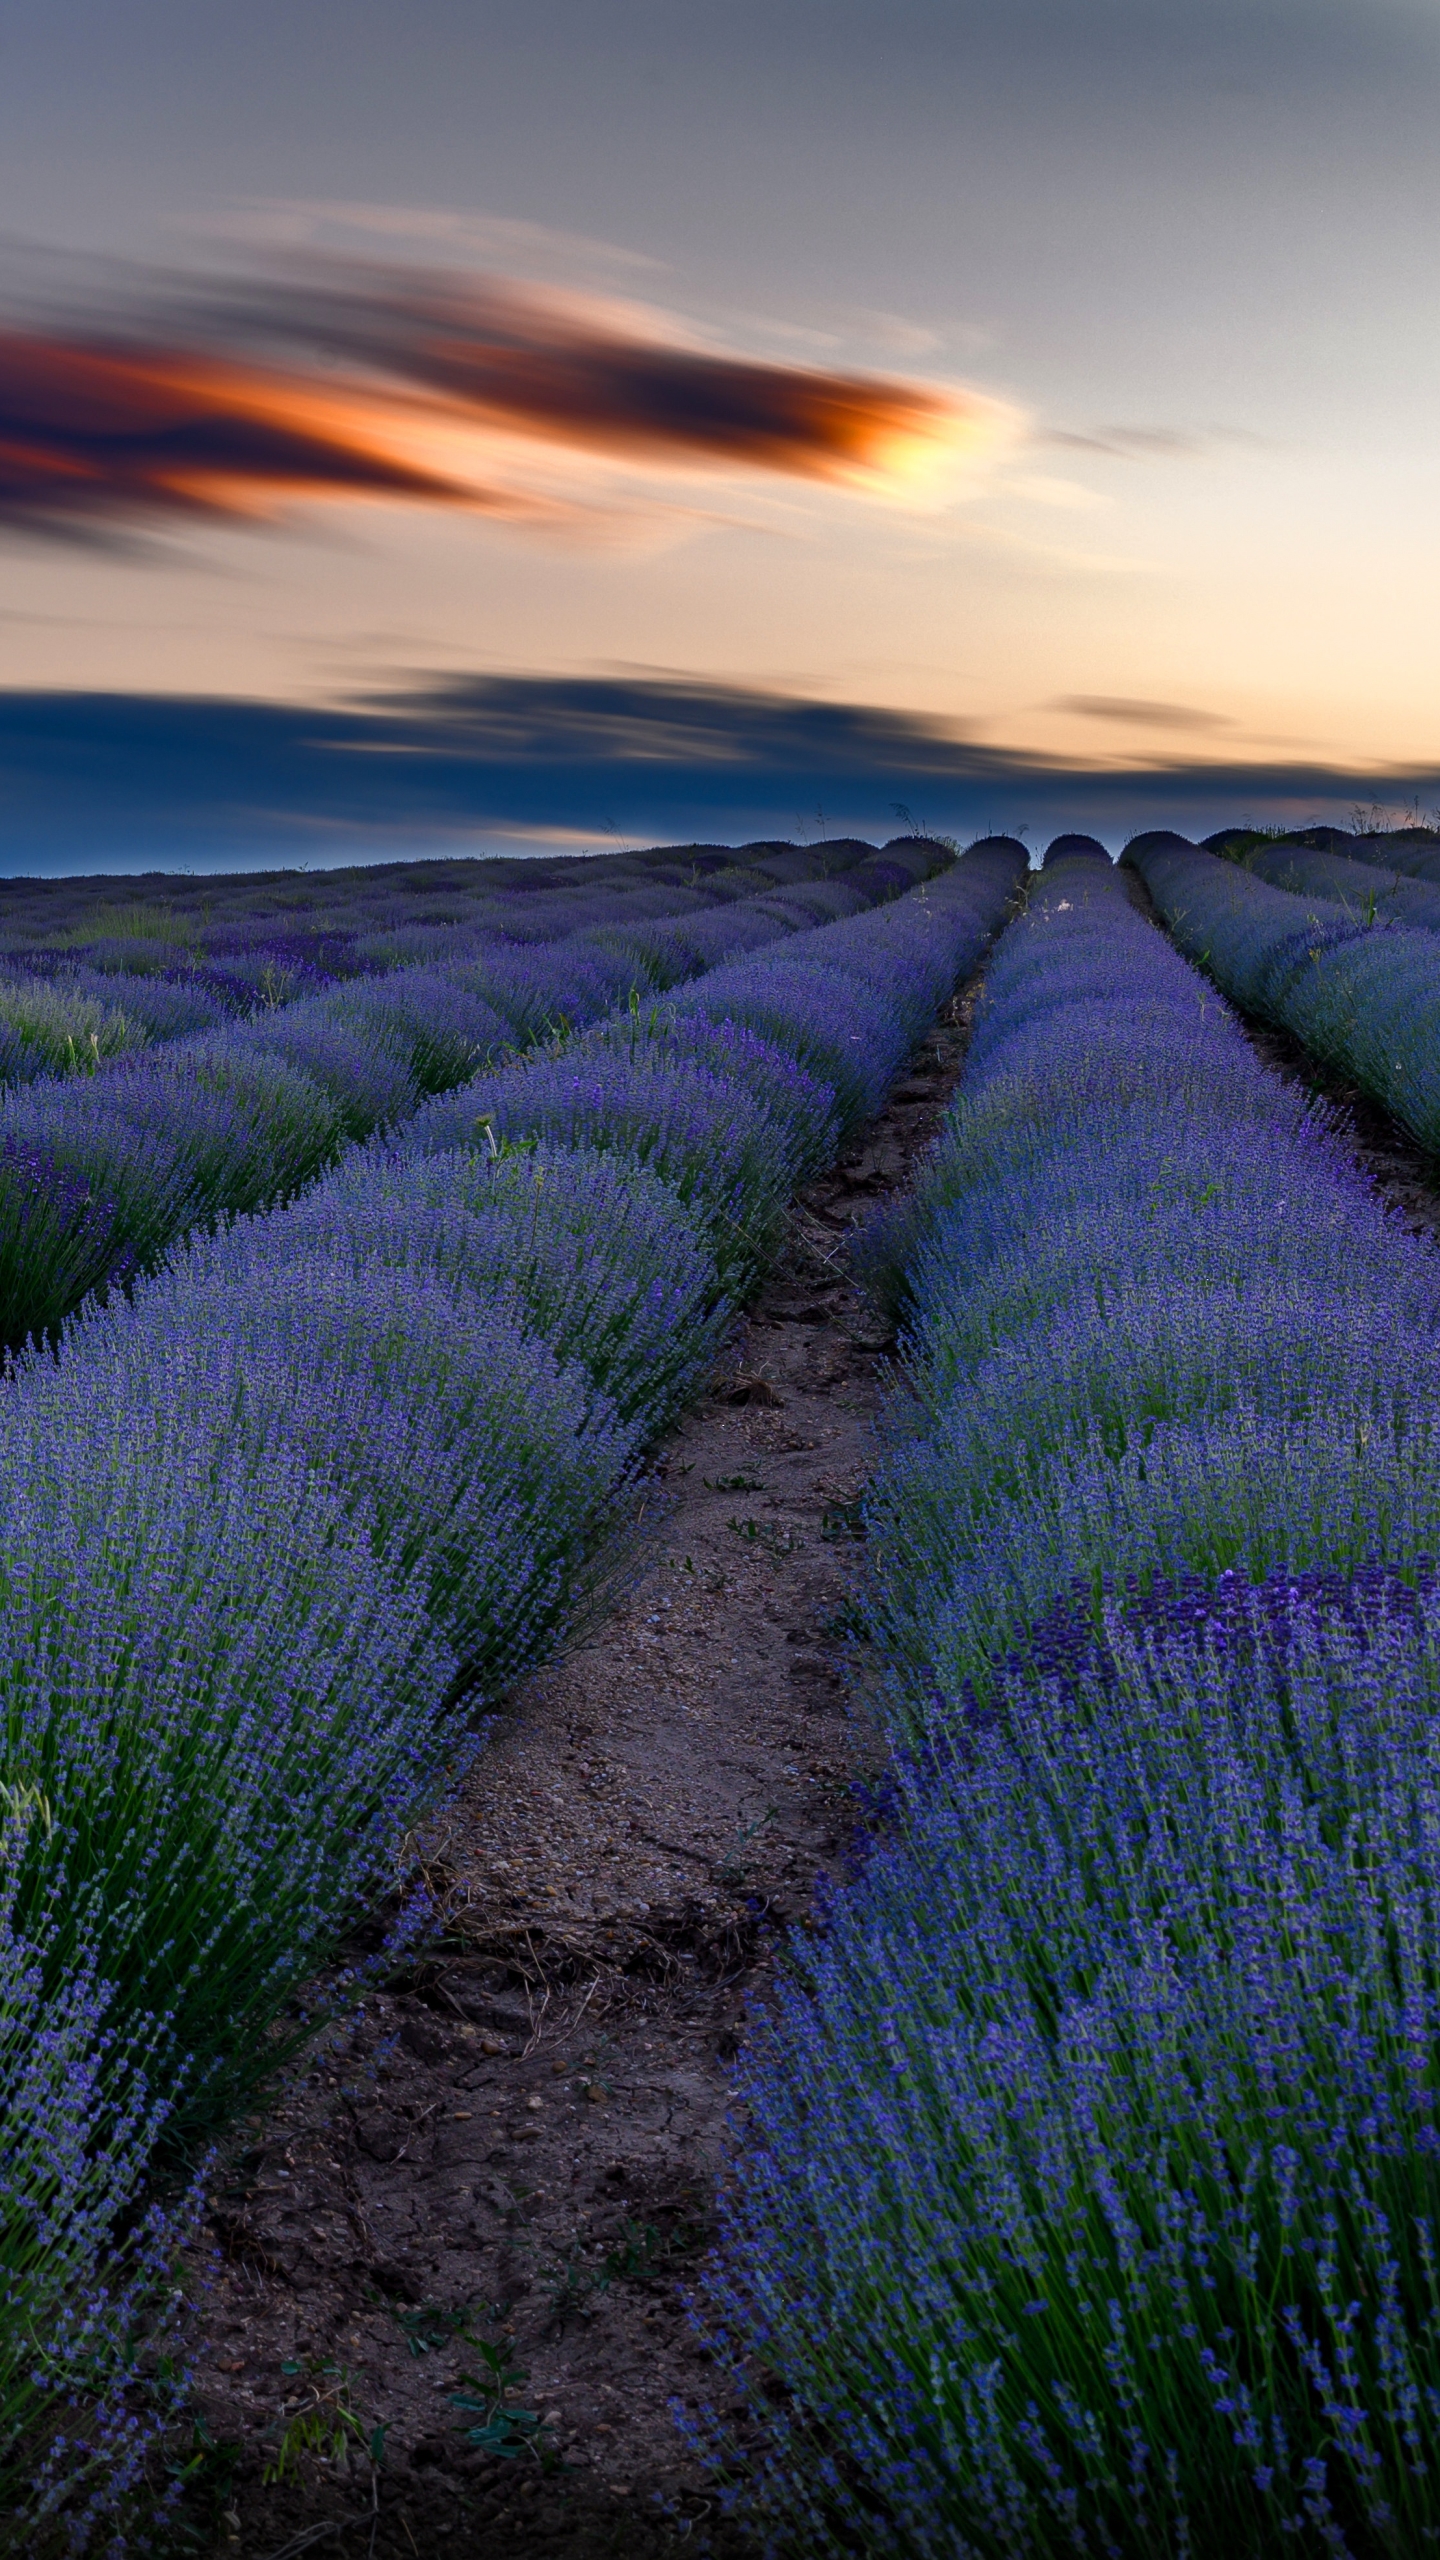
{"x": 1131, "y": 444}
{"x": 346, "y": 380}
{"x": 95, "y": 435}
{"x": 1045, "y": 489}
{"x": 1136, "y": 712}
{"x": 454, "y": 232}
{"x": 122, "y": 781}
{"x": 1154, "y": 444}
{"x": 899, "y": 336}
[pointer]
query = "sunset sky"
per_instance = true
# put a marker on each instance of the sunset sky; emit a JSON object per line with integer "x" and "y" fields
{"x": 472, "y": 424}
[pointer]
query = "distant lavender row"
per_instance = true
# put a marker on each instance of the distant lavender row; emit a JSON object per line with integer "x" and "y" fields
{"x": 1363, "y": 995}
{"x": 133, "y": 971}
{"x": 122, "y": 963}
{"x": 1368, "y": 890}
{"x": 280, "y": 1522}
{"x": 1413, "y": 852}
{"x": 322, "y": 914}
{"x": 1087, "y": 2198}
{"x": 100, "y": 1174}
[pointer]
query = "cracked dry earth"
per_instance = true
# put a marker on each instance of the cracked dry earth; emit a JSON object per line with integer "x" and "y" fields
{"x": 516, "y": 2152}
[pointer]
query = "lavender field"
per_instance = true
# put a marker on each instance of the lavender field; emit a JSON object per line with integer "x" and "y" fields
{"x": 361, "y": 1238}
{"x": 349, "y": 1274}
{"x": 1090, "y": 2204}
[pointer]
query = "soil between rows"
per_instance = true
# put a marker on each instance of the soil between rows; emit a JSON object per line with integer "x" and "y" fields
{"x": 523, "y": 2142}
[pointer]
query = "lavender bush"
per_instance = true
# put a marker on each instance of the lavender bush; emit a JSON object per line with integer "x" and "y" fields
{"x": 167, "y": 1143}
{"x": 251, "y": 1114}
{"x": 68, "y": 1030}
{"x": 225, "y": 1695}
{"x": 1087, "y": 2201}
{"x": 382, "y": 913}
{"x": 598, "y": 1254}
{"x": 172, "y": 1007}
{"x": 467, "y": 1450}
{"x": 1368, "y": 889}
{"x": 850, "y": 1002}
{"x": 733, "y": 1116}
{"x": 60, "y": 1235}
{"x": 541, "y": 989}
{"x": 273, "y": 1513}
{"x": 368, "y": 1082}
{"x": 1363, "y": 995}
{"x": 1177, "y": 1328}
{"x": 732, "y": 1161}
{"x": 714, "y": 1040}
{"x": 80, "y": 2307}
{"x": 440, "y": 1032}
{"x": 1413, "y": 851}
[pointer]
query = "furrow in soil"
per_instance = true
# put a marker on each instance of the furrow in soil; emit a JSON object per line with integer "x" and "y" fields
{"x": 520, "y": 2147}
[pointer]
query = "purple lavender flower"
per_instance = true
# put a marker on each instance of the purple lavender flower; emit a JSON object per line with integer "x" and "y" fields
{"x": 1087, "y": 2200}
{"x": 278, "y": 1516}
{"x": 1362, "y": 992}
{"x": 1090, "y": 2164}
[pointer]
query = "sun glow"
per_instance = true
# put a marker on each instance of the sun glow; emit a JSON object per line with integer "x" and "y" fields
{"x": 378, "y": 386}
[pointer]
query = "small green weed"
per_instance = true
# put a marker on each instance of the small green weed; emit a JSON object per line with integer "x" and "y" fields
{"x": 499, "y": 2429}
{"x": 735, "y": 1866}
{"x": 501, "y": 1150}
{"x": 742, "y": 1483}
{"x": 641, "y": 2250}
{"x": 638, "y": 2252}
{"x": 204, "y": 2475}
{"x": 429, "y": 2327}
{"x": 325, "y": 2426}
{"x": 843, "y": 1521}
{"x": 571, "y": 2296}
{"x": 772, "y": 1541}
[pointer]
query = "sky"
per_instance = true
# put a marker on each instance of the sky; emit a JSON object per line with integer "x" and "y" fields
{"x": 465, "y": 424}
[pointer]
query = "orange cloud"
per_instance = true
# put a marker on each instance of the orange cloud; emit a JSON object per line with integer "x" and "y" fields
{"x": 390, "y": 384}
{"x": 94, "y": 432}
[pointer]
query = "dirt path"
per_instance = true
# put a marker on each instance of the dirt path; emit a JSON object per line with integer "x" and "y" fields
{"x": 522, "y": 2144}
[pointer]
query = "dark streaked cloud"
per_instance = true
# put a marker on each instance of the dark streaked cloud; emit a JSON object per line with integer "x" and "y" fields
{"x": 1136, "y": 711}
{"x": 95, "y": 782}
{"x": 667, "y": 720}
{"x": 347, "y": 380}
{"x": 94, "y": 434}
{"x": 582, "y": 372}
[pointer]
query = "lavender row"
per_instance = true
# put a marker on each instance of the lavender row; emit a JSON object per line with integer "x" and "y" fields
{"x": 113, "y": 975}
{"x": 1087, "y": 2200}
{"x": 1412, "y": 851}
{"x": 1369, "y": 890}
{"x": 346, "y": 917}
{"x": 1363, "y": 995}
{"x": 280, "y": 1525}
{"x": 99, "y": 1175}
